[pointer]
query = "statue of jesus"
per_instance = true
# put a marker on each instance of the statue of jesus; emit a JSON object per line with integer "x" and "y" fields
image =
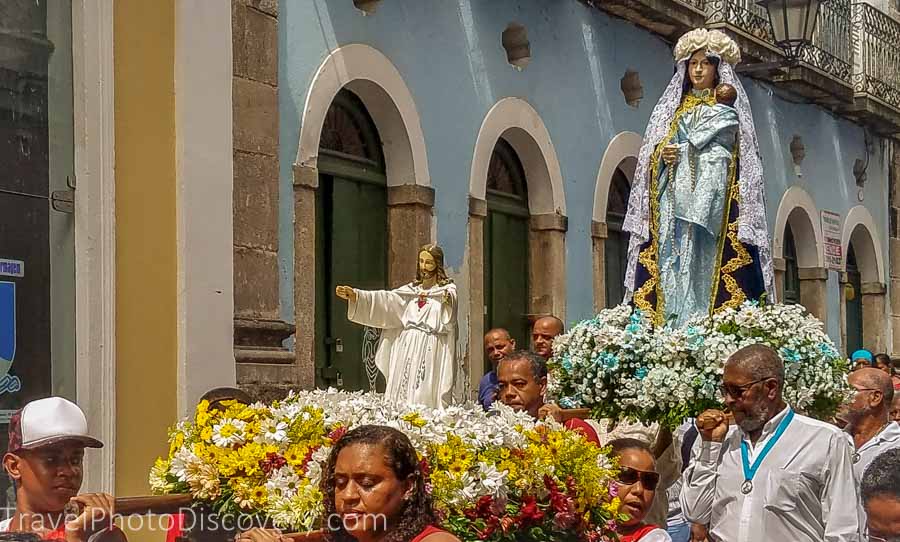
{"x": 418, "y": 346}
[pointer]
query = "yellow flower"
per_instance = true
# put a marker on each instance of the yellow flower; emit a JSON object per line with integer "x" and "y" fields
{"x": 176, "y": 443}
{"x": 203, "y": 416}
{"x": 457, "y": 468}
{"x": 296, "y": 454}
{"x": 443, "y": 455}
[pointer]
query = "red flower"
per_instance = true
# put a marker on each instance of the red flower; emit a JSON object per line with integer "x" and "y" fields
{"x": 272, "y": 462}
{"x": 529, "y": 511}
{"x": 337, "y": 434}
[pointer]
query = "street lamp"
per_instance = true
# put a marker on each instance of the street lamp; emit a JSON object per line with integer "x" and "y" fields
{"x": 793, "y": 23}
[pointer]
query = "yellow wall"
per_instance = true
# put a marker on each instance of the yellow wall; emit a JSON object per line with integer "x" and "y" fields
{"x": 146, "y": 266}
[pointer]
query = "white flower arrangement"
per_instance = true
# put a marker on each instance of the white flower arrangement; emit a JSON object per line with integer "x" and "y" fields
{"x": 620, "y": 366}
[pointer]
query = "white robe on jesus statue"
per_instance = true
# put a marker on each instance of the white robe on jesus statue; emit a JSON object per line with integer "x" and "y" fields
{"x": 418, "y": 345}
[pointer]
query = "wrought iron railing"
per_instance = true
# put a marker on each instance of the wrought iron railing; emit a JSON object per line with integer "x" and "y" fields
{"x": 744, "y": 15}
{"x": 699, "y": 5}
{"x": 830, "y": 50}
{"x": 876, "y": 54}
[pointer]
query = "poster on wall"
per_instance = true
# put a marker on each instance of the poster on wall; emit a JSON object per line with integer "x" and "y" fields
{"x": 831, "y": 231}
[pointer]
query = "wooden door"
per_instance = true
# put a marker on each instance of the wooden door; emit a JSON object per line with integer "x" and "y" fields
{"x": 854, "y": 304}
{"x": 791, "y": 269}
{"x": 351, "y": 242}
{"x": 506, "y": 246}
{"x": 616, "y": 244}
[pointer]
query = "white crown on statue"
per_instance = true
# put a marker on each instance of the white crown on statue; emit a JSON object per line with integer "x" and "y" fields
{"x": 714, "y": 41}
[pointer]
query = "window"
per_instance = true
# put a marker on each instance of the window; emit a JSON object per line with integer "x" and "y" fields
{"x": 37, "y": 226}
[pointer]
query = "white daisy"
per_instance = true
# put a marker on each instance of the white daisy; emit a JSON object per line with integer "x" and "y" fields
{"x": 229, "y": 432}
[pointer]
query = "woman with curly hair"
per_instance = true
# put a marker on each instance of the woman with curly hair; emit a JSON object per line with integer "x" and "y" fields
{"x": 374, "y": 491}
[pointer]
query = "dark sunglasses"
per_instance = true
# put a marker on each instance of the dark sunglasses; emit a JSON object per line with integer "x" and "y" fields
{"x": 737, "y": 392}
{"x": 629, "y": 476}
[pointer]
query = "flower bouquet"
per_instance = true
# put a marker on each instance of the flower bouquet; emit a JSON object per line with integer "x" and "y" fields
{"x": 620, "y": 366}
{"x": 492, "y": 477}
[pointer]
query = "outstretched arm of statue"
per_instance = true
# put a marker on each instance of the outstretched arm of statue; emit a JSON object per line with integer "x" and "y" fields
{"x": 346, "y": 292}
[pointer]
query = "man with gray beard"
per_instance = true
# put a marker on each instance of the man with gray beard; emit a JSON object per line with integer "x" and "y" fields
{"x": 774, "y": 475}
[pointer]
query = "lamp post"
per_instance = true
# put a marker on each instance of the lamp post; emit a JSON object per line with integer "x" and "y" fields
{"x": 793, "y": 24}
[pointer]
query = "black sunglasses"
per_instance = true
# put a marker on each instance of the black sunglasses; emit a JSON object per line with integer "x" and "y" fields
{"x": 628, "y": 476}
{"x": 737, "y": 392}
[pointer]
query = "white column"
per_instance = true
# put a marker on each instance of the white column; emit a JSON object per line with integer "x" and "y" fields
{"x": 95, "y": 233}
{"x": 203, "y": 78}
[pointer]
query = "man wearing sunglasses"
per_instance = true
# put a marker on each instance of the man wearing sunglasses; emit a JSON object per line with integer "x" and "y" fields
{"x": 881, "y": 497}
{"x": 867, "y": 417}
{"x": 774, "y": 475}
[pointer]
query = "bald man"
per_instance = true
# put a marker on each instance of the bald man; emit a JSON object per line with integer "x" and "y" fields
{"x": 542, "y": 334}
{"x": 497, "y": 345}
{"x": 867, "y": 417}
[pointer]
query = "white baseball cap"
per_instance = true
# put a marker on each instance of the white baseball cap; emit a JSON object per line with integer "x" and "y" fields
{"x": 48, "y": 421}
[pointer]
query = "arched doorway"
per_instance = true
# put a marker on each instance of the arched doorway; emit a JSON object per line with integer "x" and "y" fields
{"x": 617, "y": 240}
{"x": 351, "y": 236}
{"x": 853, "y": 301}
{"x": 791, "y": 269}
{"x": 506, "y": 234}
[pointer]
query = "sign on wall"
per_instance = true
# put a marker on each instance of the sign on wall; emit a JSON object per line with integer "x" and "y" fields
{"x": 831, "y": 231}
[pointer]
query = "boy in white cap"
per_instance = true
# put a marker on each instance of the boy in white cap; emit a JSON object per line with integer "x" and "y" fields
{"x": 47, "y": 438}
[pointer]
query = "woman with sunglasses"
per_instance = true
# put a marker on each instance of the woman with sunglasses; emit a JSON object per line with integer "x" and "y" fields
{"x": 637, "y": 484}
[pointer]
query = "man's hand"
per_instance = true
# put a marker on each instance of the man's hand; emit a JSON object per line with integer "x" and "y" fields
{"x": 96, "y": 514}
{"x": 261, "y": 535}
{"x": 712, "y": 425}
{"x": 670, "y": 154}
{"x": 550, "y": 410}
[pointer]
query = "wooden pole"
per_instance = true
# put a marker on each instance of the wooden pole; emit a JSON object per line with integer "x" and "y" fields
{"x": 152, "y": 504}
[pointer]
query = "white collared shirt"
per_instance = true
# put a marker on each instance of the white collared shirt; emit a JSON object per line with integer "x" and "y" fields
{"x": 804, "y": 490}
{"x": 887, "y": 439}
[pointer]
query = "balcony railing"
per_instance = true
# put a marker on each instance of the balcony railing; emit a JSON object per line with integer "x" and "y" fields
{"x": 876, "y": 55}
{"x": 743, "y": 15}
{"x": 830, "y": 50}
{"x": 852, "y": 64}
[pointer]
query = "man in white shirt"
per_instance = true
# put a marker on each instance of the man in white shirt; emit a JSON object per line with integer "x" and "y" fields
{"x": 866, "y": 417}
{"x": 774, "y": 475}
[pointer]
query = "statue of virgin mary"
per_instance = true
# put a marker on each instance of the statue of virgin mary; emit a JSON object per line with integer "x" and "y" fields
{"x": 699, "y": 239}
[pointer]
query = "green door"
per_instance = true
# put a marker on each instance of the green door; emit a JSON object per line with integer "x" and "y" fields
{"x": 351, "y": 241}
{"x": 506, "y": 246}
{"x": 854, "y": 304}
{"x": 616, "y": 244}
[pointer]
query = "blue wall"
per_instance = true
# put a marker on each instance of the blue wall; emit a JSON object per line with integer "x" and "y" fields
{"x": 449, "y": 53}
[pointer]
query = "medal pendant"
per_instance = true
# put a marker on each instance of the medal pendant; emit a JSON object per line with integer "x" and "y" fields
{"x": 856, "y": 458}
{"x": 746, "y": 487}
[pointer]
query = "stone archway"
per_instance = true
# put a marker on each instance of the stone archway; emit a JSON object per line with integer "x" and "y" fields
{"x": 371, "y": 76}
{"x": 620, "y": 156}
{"x": 798, "y": 212}
{"x": 516, "y": 122}
{"x": 861, "y": 234}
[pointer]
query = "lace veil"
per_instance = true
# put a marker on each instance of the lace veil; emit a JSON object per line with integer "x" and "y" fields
{"x": 752, "y": 225}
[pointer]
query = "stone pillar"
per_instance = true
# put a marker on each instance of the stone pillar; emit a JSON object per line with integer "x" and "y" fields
{"x": 873, "y": 309}
{"x": 547, "y": 269}
{"x": 813, "y": 291}
{"x": 258, "y": 329}
{"x": 599, "y": 233}
{"x": 780, "y": 266}
{"x": 894, "y": 244}
{"x": 409, "y": 216}
{"x": 477, "y": 215}
{"x": 894, "y": 250}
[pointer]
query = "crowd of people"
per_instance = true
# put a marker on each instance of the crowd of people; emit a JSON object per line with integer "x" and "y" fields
{"x": 755, "y": 471}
